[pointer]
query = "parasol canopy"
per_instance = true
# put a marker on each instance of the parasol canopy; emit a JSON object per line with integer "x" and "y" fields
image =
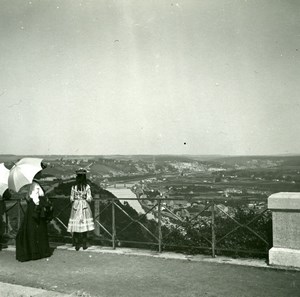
{"x": 4, "y": 173}
{"x": 23, "y": 172}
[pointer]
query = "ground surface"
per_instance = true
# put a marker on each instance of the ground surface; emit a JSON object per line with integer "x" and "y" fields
{"x": 107, "y": 274}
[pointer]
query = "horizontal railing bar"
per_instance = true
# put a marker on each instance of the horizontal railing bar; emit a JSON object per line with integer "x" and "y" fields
{"x": 188, "y": 246}
{"x": 137, "y": 242}
{"x": 242, "y": 251}
{"x": 191, "y": 199}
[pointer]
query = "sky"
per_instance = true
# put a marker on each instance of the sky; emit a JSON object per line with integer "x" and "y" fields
{"x": 150, "y": 77}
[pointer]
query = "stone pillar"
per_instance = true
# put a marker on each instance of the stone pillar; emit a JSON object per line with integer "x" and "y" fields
{"x": 285, "y": 207}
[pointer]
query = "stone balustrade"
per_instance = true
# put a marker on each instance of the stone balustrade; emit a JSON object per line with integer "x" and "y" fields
{"x": 285, "y": 207}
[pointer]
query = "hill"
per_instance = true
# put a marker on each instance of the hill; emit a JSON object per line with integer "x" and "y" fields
{"x": 64, "y": 188}
{"x": 246, "y": 160}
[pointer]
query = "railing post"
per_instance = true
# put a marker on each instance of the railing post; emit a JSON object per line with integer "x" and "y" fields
{"x": 97, "y": 215}
{"x": 213, "y": 235}
{"x": 159, "y": 227}
{"x": 113, "y": 225}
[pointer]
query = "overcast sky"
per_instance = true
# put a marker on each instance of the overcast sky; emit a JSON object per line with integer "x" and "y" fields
{"x": 150, "y": 77}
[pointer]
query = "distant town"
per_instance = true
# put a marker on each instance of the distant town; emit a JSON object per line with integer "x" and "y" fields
{"x": 184, "y": 178}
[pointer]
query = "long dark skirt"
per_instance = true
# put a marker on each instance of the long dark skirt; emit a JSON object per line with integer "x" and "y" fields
{"x": 32, "y": 241}
{"x": 2, "y": 225}
{"x": 1, "y": 231}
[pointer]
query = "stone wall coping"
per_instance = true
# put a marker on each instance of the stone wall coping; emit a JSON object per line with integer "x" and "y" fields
{"x": 284, "y": 201}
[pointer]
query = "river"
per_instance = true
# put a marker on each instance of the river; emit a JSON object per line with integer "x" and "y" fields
{"x": 123, "y": 193}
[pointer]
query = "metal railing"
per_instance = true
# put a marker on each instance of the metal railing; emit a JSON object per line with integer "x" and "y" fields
{"x": 214, "y": 226}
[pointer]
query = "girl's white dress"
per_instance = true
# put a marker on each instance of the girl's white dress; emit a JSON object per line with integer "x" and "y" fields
{"x": 81, "y": 218}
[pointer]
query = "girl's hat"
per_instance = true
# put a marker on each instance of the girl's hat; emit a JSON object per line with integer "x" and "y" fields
{"x": 81, "y": 171}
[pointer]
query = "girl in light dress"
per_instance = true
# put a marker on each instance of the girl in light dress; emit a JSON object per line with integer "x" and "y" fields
{"x": 81, "y": 218}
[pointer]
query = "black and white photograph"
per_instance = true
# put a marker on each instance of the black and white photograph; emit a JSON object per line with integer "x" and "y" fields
{"x": 149, "y": 148}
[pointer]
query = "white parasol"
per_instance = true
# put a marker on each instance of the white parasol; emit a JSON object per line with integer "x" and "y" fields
{"x": 23, "y": 172}
{"x": 4, "y": 173}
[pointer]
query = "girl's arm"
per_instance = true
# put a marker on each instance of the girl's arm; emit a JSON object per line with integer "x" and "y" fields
{"x": 72, "y": 196}
{"x": 89, "y": 197}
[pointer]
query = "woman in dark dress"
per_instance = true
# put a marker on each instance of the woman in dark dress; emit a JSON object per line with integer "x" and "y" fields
{"x": 6, "y": 195}
{"x": 32, "y": 241}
